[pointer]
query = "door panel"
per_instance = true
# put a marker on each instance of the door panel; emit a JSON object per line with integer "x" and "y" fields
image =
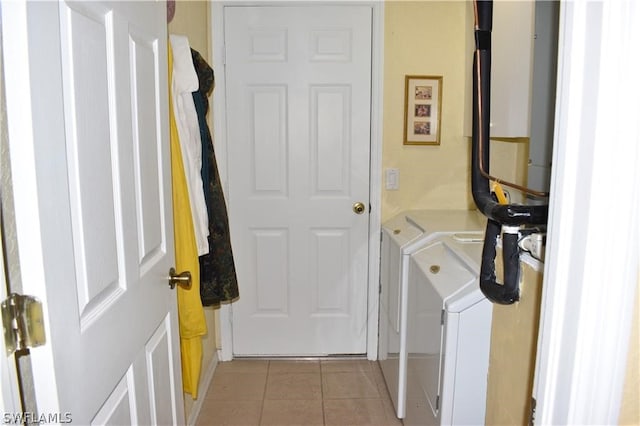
{"x": 329, "y": 271}
{"x": 160, "y": 362}
{"x": 330, "y": 136}
{"x": 147, "y": 149}
{"x": 269, "y": 151}
{"x": 298, "y": 110}
{"x": 120, "y": 406}
{"x": 98, "y": 243}
{"x": 103, "y": 240}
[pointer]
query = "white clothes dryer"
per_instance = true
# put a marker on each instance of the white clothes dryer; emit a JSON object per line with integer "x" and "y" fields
{"x": 401, "y": 236}
{"x": 448, "y": 333}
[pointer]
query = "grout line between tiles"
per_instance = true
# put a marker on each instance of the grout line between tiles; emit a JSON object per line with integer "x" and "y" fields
{"x": 324, "y": 418}
{"x": 264, "y": 393}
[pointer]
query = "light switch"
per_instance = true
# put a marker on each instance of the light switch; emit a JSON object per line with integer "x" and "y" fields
{"x": 392, "y": 177}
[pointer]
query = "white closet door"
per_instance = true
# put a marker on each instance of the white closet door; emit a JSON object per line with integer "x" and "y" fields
{"x": 298, "y": 107}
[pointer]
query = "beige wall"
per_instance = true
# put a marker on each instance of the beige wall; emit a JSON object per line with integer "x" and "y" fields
{"x": 425, "y": 38}
{"x": 630, "y": 410}
{"x": 512, "y": 359}
{"x": 429, "y": 38}
{"x": 192, "y": 20}
{"x": 509, "y": 162}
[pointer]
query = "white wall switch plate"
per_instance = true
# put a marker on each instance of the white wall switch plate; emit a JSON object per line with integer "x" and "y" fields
{"x": 392, "y": 179}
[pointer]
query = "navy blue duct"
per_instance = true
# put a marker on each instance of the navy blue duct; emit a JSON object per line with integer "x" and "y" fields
{"x": 512, "y": 215}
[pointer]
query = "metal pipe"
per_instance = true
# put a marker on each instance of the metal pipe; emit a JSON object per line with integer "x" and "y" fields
{"x": 506, "y": 217}
{"x": 484, "y": 171}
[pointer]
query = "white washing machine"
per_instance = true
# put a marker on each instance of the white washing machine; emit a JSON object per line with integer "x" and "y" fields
{"x": 397, "y": 233}
{"x": 448, "y": 334}
{"x": 401, "y": 236}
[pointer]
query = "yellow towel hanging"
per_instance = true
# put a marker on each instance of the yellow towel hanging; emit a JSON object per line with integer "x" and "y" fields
{"x": 191, "y": 320}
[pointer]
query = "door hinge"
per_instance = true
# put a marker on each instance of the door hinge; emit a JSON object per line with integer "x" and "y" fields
{"x": 437, "y": 402}
{"x": 442, "y": 317}
{"x": 22, "y": 322}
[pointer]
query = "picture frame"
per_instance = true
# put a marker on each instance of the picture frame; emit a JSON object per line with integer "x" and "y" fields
{"x": 422, "y": 109}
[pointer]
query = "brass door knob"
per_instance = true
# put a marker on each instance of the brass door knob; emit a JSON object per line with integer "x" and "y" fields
{"x": 183, "y": 279}
{"x": 358, "y": 207}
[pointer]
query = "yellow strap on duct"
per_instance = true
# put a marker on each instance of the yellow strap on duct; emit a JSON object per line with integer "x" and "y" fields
{"x": 190, "y": 312}
{"x": 497, "y": 189}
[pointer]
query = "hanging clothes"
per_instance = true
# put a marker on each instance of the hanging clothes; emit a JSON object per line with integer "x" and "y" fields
{"x": 191, "y": 319}
{"x": 217, "y": 269}
{"x": 183, "y": 83}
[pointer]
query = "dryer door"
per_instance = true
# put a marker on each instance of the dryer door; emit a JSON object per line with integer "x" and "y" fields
{"x": 435, "y": 274}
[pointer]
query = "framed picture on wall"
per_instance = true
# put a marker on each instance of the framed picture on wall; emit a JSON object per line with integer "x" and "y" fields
{"x": 422, "y": 109}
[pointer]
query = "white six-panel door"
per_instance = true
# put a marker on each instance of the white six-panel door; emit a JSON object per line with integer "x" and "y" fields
{"x": 298, "y": 127}
{"x": 88, "y": 129}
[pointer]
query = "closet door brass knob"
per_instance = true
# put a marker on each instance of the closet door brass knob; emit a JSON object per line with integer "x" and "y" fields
{"x": 358, "y": 207}
{"x": 183, "y": 279}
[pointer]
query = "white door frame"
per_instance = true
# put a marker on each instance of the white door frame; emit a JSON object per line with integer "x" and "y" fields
{"x": 220, "y": 138}
{"x": 591, "y": 273}
{"x": 9, "y": 389}
{"x": 24, "y": 181}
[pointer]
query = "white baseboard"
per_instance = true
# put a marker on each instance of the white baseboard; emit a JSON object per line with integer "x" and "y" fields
{"x": 202, "y": 391}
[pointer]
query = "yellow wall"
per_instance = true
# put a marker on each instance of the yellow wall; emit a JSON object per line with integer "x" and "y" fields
{"x": 512, "y": 359}
{"x": 429, "y": 38}
{"x": 630, "y": 410}
{"x": 425, "y": 38}
{"x": 508, "y": 161}
{"x": 192, "y": 19}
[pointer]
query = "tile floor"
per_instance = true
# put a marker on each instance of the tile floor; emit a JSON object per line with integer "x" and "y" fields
{"x": 284, "y": 392}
